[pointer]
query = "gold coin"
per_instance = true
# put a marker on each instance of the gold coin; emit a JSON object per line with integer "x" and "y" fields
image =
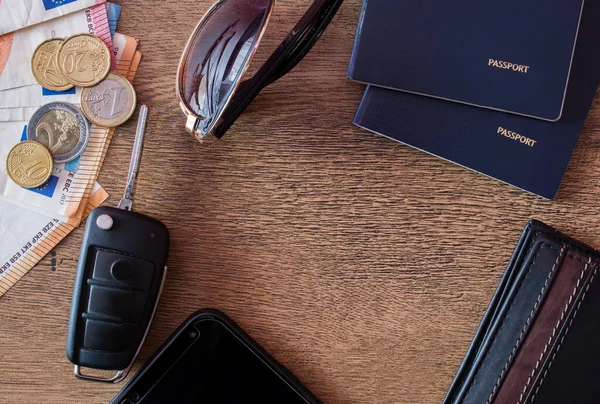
{"x": 84, "y": 60}
{"x": 44, "y": 66}
{"x": 29, "y": 164}
{"x": 109, "y": 103}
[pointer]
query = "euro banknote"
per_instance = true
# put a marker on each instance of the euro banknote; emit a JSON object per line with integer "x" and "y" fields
{"x": 18, "y": 14}
{"x": 113, "y": 12}
{"x": 16, "y": 114}
{"x": 16, "y": 48}
{"x": 36, "y": 96}
{"x": 28, "y": 236}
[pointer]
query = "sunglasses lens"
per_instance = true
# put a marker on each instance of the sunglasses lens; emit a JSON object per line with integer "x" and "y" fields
{"x": 218, "y": 55}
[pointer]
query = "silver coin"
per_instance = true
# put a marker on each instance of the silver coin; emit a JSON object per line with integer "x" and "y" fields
{"x": 62, "y": 128}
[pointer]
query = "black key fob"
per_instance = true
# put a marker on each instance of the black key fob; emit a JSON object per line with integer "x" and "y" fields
{"x": 120, "y": 275}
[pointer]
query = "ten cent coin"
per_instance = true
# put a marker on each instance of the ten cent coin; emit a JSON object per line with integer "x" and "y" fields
{"x": 109, "y": 103}
{"x": 62, "y": 128}
{"x": 29, "y": 164}
{"x": 44, "y": 66}
{"x": 84, "y": 59}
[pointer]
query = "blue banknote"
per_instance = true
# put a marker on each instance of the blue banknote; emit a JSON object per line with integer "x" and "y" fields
{"x": 114, "y": 12}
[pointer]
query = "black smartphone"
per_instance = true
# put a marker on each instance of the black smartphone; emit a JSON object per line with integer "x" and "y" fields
{"x": 209, "y": 359}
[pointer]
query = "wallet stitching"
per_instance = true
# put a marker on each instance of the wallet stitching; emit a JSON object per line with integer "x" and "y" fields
{"x": 504, "y": 316}
{"x": 558, "y": 324}
{"x": 531, "y": 245}
{"x": 562, "y": 340}
{"x": 554, "y": 238}
{"x": 572, "y": 244}
{"x": 526, "y": 326}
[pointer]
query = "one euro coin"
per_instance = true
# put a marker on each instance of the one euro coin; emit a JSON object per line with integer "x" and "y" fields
{"x": 109, "y": 103}
{"x": 62, "y": 128}
{"x": 29, "y": 164}
{"x": 44, "y": 66}
{"x": 84, "y": 60}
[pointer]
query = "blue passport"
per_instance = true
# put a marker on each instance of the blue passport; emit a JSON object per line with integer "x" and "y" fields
{"x": 528, "y": 153}
{"x": 510, "y": 55}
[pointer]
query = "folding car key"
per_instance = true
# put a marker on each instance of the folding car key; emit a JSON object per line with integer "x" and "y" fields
{"x": 120, "y": 275}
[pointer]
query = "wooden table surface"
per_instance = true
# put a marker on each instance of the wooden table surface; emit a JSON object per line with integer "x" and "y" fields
{"x": 362, "y": 265}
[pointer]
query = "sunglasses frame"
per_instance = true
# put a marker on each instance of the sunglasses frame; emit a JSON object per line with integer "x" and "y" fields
{"x": 192, "y": 117}
{"x": 288, "y": 54}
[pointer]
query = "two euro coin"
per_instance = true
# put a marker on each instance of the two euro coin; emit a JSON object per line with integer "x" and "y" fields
{"x": 62, "y": 128}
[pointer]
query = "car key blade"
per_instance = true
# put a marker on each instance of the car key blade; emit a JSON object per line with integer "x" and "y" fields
{"x": 126, "y": 203}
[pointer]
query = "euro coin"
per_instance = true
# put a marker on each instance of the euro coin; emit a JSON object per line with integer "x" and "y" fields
{"x": 29, "y": 164}
{"x": 44, "y": 66}
{"x": 109, "y": 103}
{"x": 62, "y": 128}
{"x": 84, "y": 60}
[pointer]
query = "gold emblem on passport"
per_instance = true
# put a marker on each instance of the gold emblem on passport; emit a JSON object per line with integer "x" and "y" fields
{"x": 516, "y": 137}
{"x": 84, "y": 60}
{"x": 29, "y": 164}
{"x": 500, "y": 64}
{"x": 44, "y": 66}
{"x": 109, "y": 103}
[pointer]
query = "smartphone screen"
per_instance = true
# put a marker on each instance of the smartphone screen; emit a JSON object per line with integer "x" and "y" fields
{"x": 209, "y": 362}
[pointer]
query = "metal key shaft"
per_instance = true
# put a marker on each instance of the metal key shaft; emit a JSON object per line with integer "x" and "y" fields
{"x": 126, "y": 203}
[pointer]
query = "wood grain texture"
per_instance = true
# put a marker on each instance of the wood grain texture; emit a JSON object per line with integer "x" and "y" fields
{"x": 362, "y": 265}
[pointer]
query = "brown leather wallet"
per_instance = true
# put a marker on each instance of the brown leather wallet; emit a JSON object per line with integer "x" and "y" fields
{"x": 539, "y": 340}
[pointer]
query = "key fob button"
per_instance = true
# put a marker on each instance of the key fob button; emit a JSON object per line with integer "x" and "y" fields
{"x": 119, "y": 305}
{"x": 105, "y": 222}
{"x": 123, "y": 270}
{"x": 108, "y": 337}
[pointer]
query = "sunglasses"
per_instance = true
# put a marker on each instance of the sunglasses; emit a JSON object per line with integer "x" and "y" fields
{"x": 209, "y": 77}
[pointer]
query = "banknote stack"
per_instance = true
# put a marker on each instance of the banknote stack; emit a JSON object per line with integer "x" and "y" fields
{"x": 65, "y": 83}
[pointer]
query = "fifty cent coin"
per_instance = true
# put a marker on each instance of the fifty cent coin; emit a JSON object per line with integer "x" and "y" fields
{"x": 62, "y": 128}
{"x": 84, "y": 59}
{"x": 109, "y": 103}
{"x": 29, "y": 164}
{"x": 44, "y": 66}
